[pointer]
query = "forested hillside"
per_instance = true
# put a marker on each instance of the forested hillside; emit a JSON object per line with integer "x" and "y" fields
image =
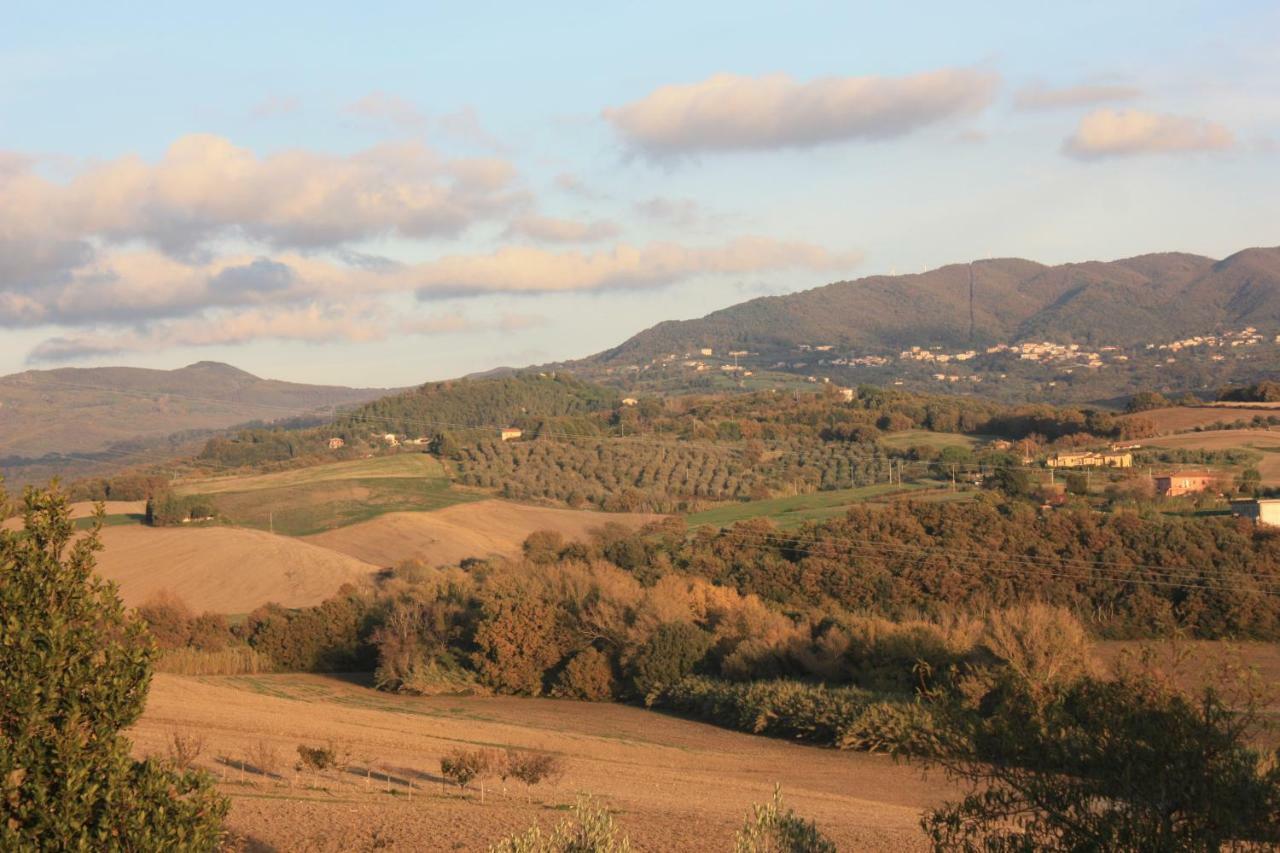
{"x": 1130, "y": 301}
{"x": 77, "y": 420}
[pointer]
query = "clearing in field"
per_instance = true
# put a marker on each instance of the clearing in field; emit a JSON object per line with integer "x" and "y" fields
{"x": 223, "y": 569}
{"x": 795, "y": 510}
{"x": 479, "y": 529}
{"x": 323, "y": 497}
{"x": 675, "y": 784}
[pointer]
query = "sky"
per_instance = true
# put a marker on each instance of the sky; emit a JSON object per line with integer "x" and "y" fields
{"x": 387, "y": 195}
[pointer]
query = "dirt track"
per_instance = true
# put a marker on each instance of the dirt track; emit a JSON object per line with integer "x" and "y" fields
{"x": 448, "y": 535}
{"x": 676, "y": 784}
{"x": 224, "y": 569}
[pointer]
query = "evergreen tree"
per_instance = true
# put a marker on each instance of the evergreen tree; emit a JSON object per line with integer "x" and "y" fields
{"x": 74, "y": 672}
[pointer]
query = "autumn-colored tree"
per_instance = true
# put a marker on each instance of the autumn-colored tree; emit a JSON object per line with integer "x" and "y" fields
{"x": 517, "y": 642}
{"x": 588, "y": 675}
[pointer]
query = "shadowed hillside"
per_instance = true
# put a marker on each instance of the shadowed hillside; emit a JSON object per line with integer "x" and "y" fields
{"x": 113, "y": 410}
{"x": 1125, "y": 302}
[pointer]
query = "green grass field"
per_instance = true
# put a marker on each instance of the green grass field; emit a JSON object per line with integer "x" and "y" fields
{"x": 796, "y": 510}
{"x": 923, "y": 437}
{"x": 118, "y": 520}
{"x": 322, "y": 497}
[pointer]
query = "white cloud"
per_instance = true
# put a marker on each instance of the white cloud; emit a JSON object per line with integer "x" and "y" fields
{"x": 727, "y": 111}
{"x": 206, "y": 189}
{"x": 531, "y": 270}
{"x": 1116, "y": 133}
{"x": 310, "y": 323}
{"x": 1041, "y": 97}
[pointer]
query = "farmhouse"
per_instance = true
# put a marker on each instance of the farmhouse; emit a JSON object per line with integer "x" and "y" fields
{"x": 510, "y": 433}
{"x": 335, "y": 443}
{"x": 629, "y": 401}
{"x": 391, "y": 440}
{"x": 1091, "y": 460}
{"x": 1264, "y": 512}
{"x": 1185, "y": 483}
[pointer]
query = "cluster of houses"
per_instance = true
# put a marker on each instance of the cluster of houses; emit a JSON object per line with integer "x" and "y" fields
{"x": 390, "y": 439}
{"x": 1092, "y": 459}
{"x": 1169, "y": 485}
{"x": 1246, "y": 337}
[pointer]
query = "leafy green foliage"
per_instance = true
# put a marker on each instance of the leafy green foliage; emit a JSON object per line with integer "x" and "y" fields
{"x": 589, "y": 829}
{"x": 74, "y": 672}
{"x": 1102, "y": 764}
{"x": 790, "y": 709}
{"x": 670, "y": 654}
{"x": 1266, "y": 391}
{"x": 773, "y": 828}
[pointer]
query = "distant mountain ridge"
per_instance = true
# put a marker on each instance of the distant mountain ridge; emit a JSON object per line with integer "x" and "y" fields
{"x": 88, "y": 410}
{"x": 1125, "y": 302}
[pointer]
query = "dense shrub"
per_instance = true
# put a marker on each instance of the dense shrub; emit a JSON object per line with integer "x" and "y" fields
{"x": 789, "y": 709}
{"x": 672, "y": 653}
{"x": 587, "y": 675}
{"x": 74, "y": 673}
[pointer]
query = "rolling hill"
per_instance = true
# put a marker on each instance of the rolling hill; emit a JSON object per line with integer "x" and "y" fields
{"x": 94, "y": 415}
{"x": 1125, "y": 302}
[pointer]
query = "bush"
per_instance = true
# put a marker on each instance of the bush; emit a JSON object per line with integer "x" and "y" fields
{"x": 1043, "y": 646}
{"x": 168, "y": 619}
{"x": 590, "y": 829}
{"x": 317, "y": 758}
{"x": 543, "y": 546}
{"x": 462, "y": 767}
{"x": 588, "y": 675}
{"x": 1122, "y": 764}
{"x": 668, "y": 656}
{"x": 532, "y": 768}
{"x": 790, "y": 709}
{"x": 773, "y": 828}
{"x": 74, "y": 673}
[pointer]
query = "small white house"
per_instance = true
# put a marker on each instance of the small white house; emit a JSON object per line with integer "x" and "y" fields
{"x": 1265, "y": 512}
{"x": 335, "y": 443}
{"x": 510, "y": 433}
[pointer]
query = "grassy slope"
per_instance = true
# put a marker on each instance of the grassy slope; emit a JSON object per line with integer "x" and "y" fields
{"x": 817, "y": 506}
{"x": 925, "y": 438}
{"x": 311, "y": 500}
{"x": 1266, "y": 441}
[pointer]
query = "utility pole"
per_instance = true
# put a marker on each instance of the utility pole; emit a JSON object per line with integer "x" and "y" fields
{"x": 271, "y": 522}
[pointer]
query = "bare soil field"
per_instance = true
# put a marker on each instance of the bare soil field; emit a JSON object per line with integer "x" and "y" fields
{"x": 223, "y": 569}
{"x": 674, "y": 784}
{"x": 1182, "y": 418}
{"x": 479, "y": 529}
{"x": 1202, "y": 657}
{"x": 1267, "y": 441}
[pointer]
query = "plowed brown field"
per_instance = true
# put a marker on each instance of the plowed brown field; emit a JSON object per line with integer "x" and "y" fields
{"x": 480, "y": 529}
{"x": 675, "y": 784}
